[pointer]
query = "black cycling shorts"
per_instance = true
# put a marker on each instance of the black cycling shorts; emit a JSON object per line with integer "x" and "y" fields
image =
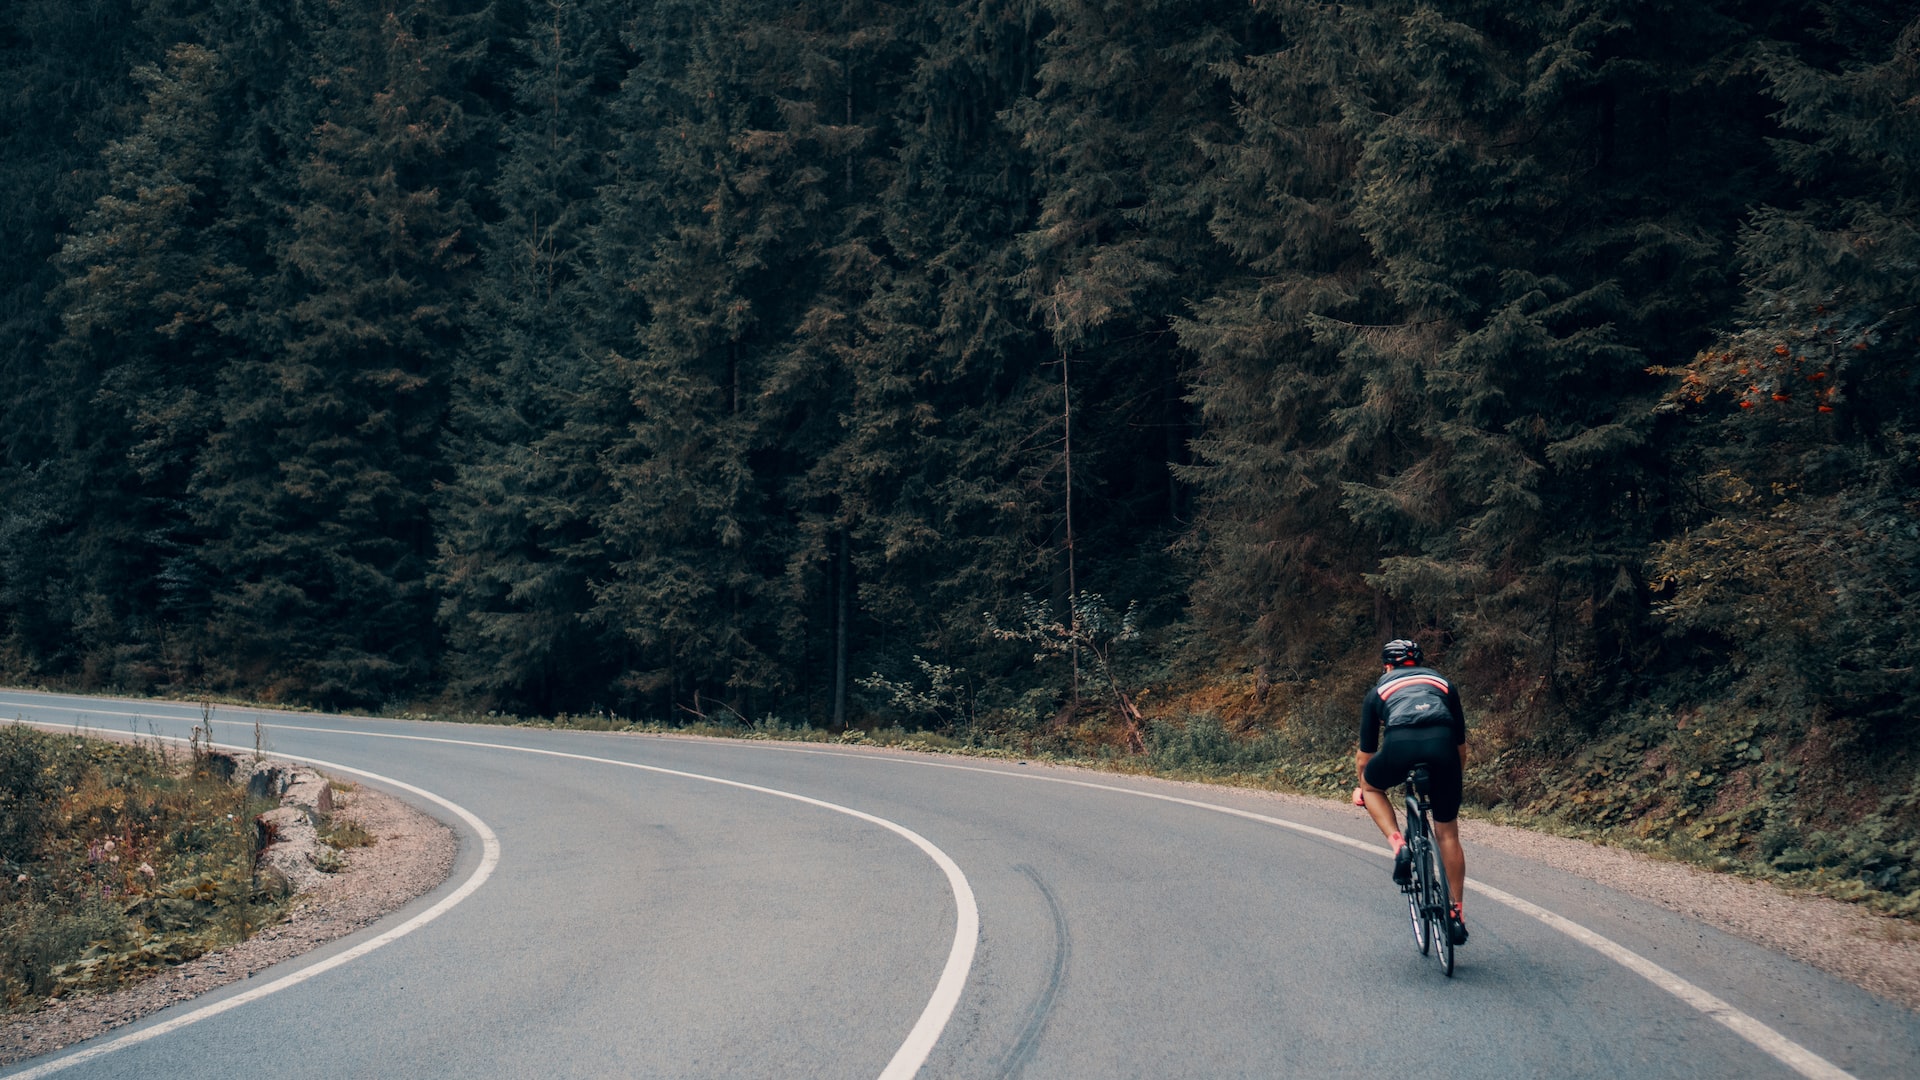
{"x": 1404, "y": 748}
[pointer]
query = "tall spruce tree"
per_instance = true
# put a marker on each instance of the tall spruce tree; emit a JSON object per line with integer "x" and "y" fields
{"x": 1277, "y": 560}
{"x": 712, "y": 211}
{"x": 1125, "y": 96}
{"x": 151, "y": 304}
{"x": 63, "y": 85}
{"x": 314, "y": 491}
{"x": 533, "y": 406}
{"x": 912, "y": 511}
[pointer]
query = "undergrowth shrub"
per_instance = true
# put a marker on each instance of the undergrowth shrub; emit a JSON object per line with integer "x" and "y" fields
{"x": 115, "y": 860}
{"x": 1750, "y": 784}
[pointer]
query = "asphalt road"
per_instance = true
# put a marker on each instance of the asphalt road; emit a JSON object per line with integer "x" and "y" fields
{"x": 662, "y": 907}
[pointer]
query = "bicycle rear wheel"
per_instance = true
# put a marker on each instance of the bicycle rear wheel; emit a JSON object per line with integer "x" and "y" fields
{"x": 1439, "y": 907}
{"x": 1416, "y": 892}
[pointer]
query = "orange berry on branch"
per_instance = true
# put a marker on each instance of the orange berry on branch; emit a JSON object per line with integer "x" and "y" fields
{"x": 1779, "y": 350}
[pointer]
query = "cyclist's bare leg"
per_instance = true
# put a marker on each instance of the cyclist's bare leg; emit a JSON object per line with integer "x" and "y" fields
{"x": 1380, "y": 809}
{"x": 1446, "y": 837}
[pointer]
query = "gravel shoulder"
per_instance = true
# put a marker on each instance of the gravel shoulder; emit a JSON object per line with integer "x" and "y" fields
{"x": 1874, "y": 952}
{"x": 411, "y": 854}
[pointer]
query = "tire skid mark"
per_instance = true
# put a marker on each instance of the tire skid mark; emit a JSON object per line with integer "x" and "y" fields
{"x": 1029, "y": 1041}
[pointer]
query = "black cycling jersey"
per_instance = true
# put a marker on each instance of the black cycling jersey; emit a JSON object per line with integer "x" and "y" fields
{"x": 1419, "y": 710}
{"x": 1374, "y": 711}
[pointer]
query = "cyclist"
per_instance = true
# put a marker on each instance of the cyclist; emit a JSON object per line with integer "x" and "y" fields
{"x": 1412, "y": 717}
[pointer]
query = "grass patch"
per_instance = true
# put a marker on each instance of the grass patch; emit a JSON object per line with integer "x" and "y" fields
{"x": 115, "y": 860}
{"x": 342, "y": 833}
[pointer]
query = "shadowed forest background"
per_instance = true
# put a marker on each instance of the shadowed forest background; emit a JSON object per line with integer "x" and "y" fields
{"x": 1097, "y": 373}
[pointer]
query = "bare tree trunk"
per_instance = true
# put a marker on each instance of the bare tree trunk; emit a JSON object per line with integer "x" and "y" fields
{"x": 842, "y": 588}
{"x": 1066, "y": 454}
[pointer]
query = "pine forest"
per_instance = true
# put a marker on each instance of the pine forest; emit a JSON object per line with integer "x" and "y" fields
{"x": 1098, "y": 375}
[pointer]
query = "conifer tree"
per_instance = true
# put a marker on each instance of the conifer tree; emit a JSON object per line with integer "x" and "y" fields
{"x": 1481, "y": 361}
{"x": 62, "y": 83}
{"x": 1799, "y": 559}
{"x": 1124, "y": 97}
{"x": 1277, "y": 560}
{"x": 912, "y": 512}
{"x": 314, "y": 491}
{"x": 154, "y": 291}
{"x": 712, "y": 214}
{"x": 533, "y": 406}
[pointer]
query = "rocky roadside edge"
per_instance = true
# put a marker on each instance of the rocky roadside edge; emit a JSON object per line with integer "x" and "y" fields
{"x": 410, "y": 855}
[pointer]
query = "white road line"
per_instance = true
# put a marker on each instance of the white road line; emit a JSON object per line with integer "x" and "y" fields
{"x": 489, "y": 858}
{"x": 926, "y": 1030}
{"x": 1778, "y": 1046}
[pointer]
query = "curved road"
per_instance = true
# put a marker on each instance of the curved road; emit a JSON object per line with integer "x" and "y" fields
{"x": 663, "y": 907}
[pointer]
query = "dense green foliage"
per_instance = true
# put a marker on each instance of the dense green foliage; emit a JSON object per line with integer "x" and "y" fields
{"x": 731, "y": 361}
{"x": 117, "y": 861}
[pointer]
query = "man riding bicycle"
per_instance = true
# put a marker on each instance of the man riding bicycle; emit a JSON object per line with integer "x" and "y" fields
{"x": 1412, "y": 717}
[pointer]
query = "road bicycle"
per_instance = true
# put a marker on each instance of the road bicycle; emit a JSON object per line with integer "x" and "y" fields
{"x": 1429, "y": 899}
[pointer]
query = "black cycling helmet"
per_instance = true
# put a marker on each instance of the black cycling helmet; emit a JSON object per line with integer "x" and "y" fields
{"x": 1401, "y": 651}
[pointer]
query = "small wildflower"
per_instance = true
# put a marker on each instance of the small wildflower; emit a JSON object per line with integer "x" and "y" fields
{"x": 21, "y": 880}
{"x": 146, "y": 868}
{"x": 108, "y": 845}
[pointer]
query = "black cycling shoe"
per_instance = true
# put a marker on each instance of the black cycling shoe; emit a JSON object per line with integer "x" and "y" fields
{"x": 1456, "y": 928}
{"x": 1403, "y": 866}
